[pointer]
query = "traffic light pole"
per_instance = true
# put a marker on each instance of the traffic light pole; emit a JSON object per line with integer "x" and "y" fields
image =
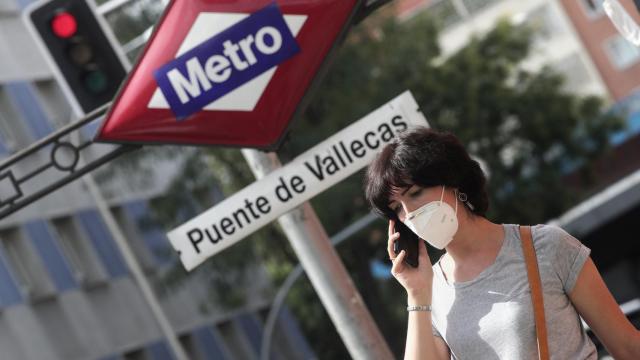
{"x": 135, "y": 268}
{"x": 326, "y": 272}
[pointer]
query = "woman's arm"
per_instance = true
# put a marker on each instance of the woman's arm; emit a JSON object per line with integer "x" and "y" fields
{"x": 421, "y": 343}
{"x": 599, "y": 309}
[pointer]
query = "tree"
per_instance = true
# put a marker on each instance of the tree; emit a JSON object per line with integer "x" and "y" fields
{"x": 524, "y": 126}
{"x": 527, "y": 130}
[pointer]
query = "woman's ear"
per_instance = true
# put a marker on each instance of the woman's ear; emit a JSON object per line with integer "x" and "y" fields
{"x": 464, "y": 199}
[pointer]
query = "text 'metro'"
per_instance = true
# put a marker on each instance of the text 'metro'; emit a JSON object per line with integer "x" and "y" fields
{"x": 226, "y": 61}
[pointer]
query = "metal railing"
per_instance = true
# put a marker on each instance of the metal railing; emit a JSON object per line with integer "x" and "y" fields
{"x": 61, "y": 155}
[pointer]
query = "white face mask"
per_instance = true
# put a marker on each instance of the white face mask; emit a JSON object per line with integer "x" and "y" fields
{"x": 435, "y": 222}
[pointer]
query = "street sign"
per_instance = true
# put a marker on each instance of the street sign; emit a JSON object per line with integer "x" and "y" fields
{"x": 227, "y": 72}
{"x": 309, "y": 174}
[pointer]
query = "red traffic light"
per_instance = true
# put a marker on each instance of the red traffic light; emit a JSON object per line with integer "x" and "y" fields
{"x": 64, "y": 25}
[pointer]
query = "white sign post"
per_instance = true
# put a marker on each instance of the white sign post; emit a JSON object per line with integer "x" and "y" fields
{"x": 282, "y": 190}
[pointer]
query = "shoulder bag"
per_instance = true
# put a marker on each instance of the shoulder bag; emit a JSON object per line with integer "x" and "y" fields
{"x": 536, "y": 291}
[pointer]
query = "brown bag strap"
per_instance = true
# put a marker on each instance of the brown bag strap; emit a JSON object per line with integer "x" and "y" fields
{"x": 536, "y": 291}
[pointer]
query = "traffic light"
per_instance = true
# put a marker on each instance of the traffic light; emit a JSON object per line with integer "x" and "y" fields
{"x": 84, "y": 61}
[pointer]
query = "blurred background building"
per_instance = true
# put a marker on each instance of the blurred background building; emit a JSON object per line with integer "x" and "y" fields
{"x": 65, "y": 290}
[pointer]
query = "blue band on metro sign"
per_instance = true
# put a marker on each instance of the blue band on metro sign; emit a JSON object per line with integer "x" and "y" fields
{"x": 226, "y": 61}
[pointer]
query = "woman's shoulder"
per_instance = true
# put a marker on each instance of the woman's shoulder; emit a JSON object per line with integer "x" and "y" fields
{"x": 554, "y": 240}
{"x": 548, "y": 232}
{"x": 549, "y": 237}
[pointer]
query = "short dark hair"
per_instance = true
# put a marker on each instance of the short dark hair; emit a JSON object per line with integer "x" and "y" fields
{"x": 424, "y": 157}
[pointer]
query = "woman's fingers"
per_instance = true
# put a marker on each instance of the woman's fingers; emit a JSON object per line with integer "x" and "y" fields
{"x": 392, "y": 239}
{"x": 392, "y": 236}
{"x": 398, "y": 265}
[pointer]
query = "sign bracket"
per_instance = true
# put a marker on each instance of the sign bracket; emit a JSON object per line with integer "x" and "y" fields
{"x": 62, "y": 155}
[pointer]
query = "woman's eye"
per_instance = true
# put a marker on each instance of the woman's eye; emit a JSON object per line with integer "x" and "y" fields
{"x": 397, "y": 209}
{"x": 415, "y": 192}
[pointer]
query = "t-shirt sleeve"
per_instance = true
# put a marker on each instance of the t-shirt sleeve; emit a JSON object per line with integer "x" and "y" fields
{"x": 569, "y": 255}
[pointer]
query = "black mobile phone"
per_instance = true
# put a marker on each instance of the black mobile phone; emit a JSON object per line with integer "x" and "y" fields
{"x": 408, "y": 241}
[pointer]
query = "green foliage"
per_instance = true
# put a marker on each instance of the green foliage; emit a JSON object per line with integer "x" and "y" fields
{"x": 205, "y": 176}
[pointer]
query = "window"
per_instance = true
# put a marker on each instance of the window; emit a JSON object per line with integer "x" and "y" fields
{"x": 622, "y": 53}
{"x": 235, "y": 340}
{"x": 289, "y": 329}
{"x": 108, "y": 252}
{"x": 12, "y": 131}
{"x": 7, "y": 139}
{"x": 57, "y": 267}
{"x": 138, "y": 354}
{"x": 77, "y": 249}
{"x": 32, "y": 279}
{"x": 23, "y": 3}
{"x": 133, "y": 18}
{"x": 141, "y": 251}
{"x": 544, "y": 22}
{"x": 54, "y": 103}
{"x": 188, "y": 344}
{"x": 25, "y": 100}
{"x": 209, "y": 343}
{"x": 251, "y": 327}
{"x": 476, "y": 6}
{"x": 9, "y": 290}
{"x": 151, "y": 234}
{"x": 593, "y": 8}
{"x": 159, "y": 350}
{"x": 8, "y": 6}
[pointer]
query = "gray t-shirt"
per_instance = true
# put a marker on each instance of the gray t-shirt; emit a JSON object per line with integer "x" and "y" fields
{"x": 491, "y": 317}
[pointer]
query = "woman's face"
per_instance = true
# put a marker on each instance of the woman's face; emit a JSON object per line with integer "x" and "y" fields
{"x": 406, "y": 200}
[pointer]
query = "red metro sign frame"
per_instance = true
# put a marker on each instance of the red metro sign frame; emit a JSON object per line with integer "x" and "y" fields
{"x": 247, "y": 74}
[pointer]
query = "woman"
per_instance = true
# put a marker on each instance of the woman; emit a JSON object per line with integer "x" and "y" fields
{"x": 474, "y": 303}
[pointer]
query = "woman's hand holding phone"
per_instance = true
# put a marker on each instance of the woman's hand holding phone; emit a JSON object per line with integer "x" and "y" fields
{"x": 416, "y": 281}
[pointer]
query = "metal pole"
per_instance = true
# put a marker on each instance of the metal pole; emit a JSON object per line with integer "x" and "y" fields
{"x": 134, "y": 267}
{"x": 326, "y": 272}
{"x": 281, "y": 295}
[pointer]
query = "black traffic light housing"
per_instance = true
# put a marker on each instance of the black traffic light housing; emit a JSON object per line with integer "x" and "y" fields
{"x": 83, "y": 58}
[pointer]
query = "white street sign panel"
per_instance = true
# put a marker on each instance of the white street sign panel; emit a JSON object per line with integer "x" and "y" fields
{"x": 309, "y": 174}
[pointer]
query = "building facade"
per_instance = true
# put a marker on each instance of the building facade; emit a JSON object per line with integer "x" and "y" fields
{"x": 556, "y": 43}
{"x": 617, "y": 60}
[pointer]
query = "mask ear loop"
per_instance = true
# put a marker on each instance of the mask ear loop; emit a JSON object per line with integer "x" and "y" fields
{"x": 455, "y": 196}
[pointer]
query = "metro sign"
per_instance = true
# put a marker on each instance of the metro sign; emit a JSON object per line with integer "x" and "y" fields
{"x": 226, "y": 73}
